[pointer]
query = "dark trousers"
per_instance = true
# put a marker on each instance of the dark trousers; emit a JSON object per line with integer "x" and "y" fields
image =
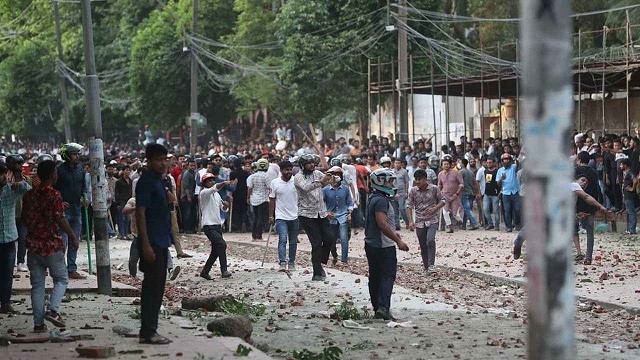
{"x": 22, "y": 241}
{"x": 155, "y": 276}
{"x": 618, "y": 197}
{"x": 240, "y": 214}
{"x": 357, "y": 219}
{"x": 427, "y": 241}
{"x": 7, "y": 262}
{"x": 363, "y": 202}
{"x": 134, "y": 256}
{"x": 88, "y": 223}
{"x": 321, "y": 238}
{"x": 218, "y": 248}
{"x": 261, "y": 215}
{"x": 382, "y": 274}
{"x": 189, "y": 214}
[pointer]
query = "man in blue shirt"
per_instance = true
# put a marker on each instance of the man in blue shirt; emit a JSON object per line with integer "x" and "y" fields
{"x": 9, "y": 193}
{"x": 72, "y": 186}
{"x": 154, "y": 232}
{"x": 337, "y": 198}
{"x": 508, "y": 180}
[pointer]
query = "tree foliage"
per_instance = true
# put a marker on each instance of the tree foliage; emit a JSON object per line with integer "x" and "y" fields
{"x": 304, "y": 60}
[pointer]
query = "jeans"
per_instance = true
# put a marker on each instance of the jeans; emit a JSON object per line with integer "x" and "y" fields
{"x": 382, "y": 274}
{"x": 511, "y": 205}
{"x": 7, "y": 261}
{"x": 218, "y": 248}
{"x": 321, "y": 238}
{"x": 38, "y": 266}
{"x": 341, "y": 233}
{"x": 287, "y": 232}
{"x": 401, "y": 210}
{"x": 75, "y": 221}
{"x": 155, "y": 277}
{"x": 588, "y": 225}
{"x": 261, "y": 215}
{"x": 124, "y": 223}
{"x": 22, "y": 241}
{"x": 491, "y": 206}
{"x": 110, "y": 230}
{"x": 427, "y": 241}
{"x": 632, "y": 216}
{"x": 467, "y": 206}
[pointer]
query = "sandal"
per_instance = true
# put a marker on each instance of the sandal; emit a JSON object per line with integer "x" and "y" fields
{"x": 155, "y": 339}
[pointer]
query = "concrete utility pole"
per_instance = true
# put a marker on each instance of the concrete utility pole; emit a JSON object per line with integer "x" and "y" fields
{"x": 548, "y": 90}
{"x": 96, "y": 155}
{"x": 63, "y": 85}
{"x": 194, "y": 84}
{"x": 403, "y": 74}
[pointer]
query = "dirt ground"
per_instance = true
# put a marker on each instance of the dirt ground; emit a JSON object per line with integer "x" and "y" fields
{"x": 453, "y": 314}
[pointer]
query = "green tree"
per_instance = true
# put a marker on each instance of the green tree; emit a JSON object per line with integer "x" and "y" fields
{"x": 27, "y": 93}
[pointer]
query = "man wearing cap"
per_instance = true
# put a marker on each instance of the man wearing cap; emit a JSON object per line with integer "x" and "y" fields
{"x": 73, "y": 187}
{"x": 508, "y": 179}
{"x": 210, "y": 206}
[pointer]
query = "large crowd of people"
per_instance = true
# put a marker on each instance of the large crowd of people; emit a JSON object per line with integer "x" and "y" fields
{"x": 159, "y": 189}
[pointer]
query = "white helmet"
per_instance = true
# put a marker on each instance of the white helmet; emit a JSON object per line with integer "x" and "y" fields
{"x": 385, "y": 159}
{"x": 384, "y": 180}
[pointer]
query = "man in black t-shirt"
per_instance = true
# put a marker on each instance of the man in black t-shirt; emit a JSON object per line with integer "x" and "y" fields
{"x": 240, "y": 205}
{"x": 630, "y": 195}
{"x": 491, "y": 199}
{"x": 587, "y": 220}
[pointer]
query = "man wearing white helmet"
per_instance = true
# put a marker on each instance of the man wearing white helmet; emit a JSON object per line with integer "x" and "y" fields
{"x": 385, "y": 162}
{"x": 71, "y": 184}
{"x": 380, "y": 242}
{"x": 258, "y": 185}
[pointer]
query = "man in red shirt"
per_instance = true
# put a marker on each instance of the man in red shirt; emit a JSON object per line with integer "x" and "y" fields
{"x": 450, "y": 184}
{"x": 362, "y": 179}
{"x": 43, "y": 214}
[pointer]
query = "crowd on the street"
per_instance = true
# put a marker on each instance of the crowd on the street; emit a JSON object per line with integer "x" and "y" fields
{"x": 326, "y": 189}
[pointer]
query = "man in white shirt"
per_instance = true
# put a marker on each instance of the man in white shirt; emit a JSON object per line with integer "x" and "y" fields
{"x": 283, "y": 212}
{"x": 274, "y": 170}
{"x": 210, "y": 206}
{"x": 258, "y": 188}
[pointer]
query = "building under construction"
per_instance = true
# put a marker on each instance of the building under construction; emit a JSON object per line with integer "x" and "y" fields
{"x": 476, "y": 91}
